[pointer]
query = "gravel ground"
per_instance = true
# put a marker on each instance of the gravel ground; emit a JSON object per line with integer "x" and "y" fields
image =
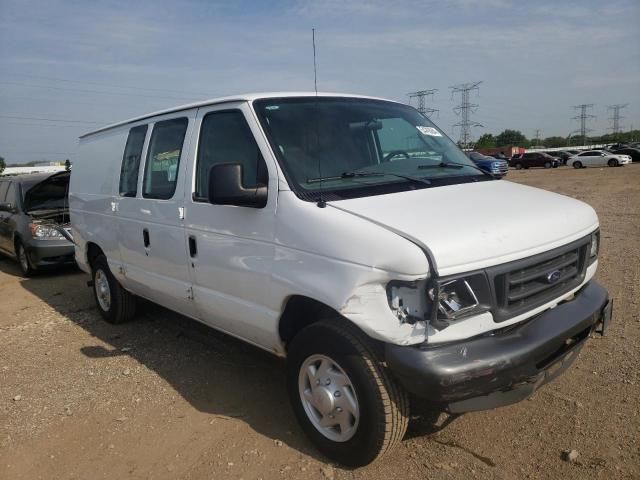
{"x": 164, "y": 397}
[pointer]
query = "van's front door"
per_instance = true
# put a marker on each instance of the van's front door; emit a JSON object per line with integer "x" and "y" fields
{"x": 231, "y": 248}
{"x": 150, "y": 212}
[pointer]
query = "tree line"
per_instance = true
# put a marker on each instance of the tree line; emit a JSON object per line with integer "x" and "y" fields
{"x": 518, "y": 139}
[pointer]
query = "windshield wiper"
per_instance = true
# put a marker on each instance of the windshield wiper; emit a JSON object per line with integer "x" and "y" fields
{"x": 454, "y": 165}
{"x": 423, "y": 181}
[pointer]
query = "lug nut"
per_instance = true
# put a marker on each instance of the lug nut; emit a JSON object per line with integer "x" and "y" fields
{"x": 327, "y": 381}
{"x": 337, "y": 393}
{"x": 339, "y": 410}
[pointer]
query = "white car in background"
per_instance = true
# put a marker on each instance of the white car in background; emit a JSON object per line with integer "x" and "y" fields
{"x": 592, "y": 158}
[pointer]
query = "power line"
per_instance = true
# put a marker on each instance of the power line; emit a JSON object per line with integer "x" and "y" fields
{"x": 421, "y": 95}
{"x": 100, "y": 84}
{"x": 583, "y": 117}
{"x": 464, "y": 110}
{"x": 52, "y": 120}
{"x": 51, "y": 87}
{"x": 615, "y": 126}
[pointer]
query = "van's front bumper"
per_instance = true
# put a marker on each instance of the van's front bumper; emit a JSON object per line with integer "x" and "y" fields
{"x": 508, "y": 366}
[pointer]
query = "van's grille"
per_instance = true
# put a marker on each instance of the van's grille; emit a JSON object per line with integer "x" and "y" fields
{"x": 526, "y": 284}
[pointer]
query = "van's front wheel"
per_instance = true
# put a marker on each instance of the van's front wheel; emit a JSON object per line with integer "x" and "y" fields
{"x": 115, "y": 304}
{"x": 343, "y": 396}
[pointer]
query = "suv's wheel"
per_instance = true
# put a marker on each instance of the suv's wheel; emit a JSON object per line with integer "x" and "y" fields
{"x": 547, "y": 164}
{"x": 518, "y": 166}
{"x": 577, "y": 164}
{"x": 115, "y": 304}
{"x": 613, "y": 162}
{"x": 23, "y": 260}
{"x": 344, "y": 398}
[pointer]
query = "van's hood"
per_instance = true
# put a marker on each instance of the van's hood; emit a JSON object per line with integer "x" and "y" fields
{"x": 472, "y": 226}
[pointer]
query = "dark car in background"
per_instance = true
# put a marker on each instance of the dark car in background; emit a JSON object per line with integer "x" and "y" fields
{"x": 34, "y": 220}
{"x": 634, "y": 153}
{"x": 496, "y": 167}
{"x": 534, "y": 159}
{"x": 561, "y": 155}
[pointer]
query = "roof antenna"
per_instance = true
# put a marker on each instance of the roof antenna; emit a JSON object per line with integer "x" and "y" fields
{"x": 321, "y": 202}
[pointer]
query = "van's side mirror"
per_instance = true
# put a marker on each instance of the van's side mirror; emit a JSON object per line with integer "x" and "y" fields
{"x": 7, "y": 207}
{"x": 225, "y": 188}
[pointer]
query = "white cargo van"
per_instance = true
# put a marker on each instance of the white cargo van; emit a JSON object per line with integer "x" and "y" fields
{"x": 351, "y": 236}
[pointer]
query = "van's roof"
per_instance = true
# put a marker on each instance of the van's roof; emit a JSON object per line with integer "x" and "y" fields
{"x": 247, "y": 97}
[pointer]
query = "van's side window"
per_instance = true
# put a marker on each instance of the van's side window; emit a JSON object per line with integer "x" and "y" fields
{"x": 131, "y": 161}
{"x": 163, "y": 158}
{"x": 225, "y": 137}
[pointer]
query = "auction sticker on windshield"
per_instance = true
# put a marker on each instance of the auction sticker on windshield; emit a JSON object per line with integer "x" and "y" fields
{"x": 428, "y": 131}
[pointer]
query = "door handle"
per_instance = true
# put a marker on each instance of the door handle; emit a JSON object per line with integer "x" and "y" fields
{"x": 193, "y": 247}
{"x": 145, "y": 237}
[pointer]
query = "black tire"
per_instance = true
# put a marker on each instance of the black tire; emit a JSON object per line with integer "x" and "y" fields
{"x": 547, "y": 165}
{"x": 577, "y": 164}
{"x": 383, "y": 404}
{"x": 613, "y": 162}
{"x": 518, "y": 166}
{"x": 24, "y": 261}
{"x": 122, "y": 304}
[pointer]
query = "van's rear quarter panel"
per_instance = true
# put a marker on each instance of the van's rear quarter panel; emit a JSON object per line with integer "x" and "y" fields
{"x": 95, "y": 171}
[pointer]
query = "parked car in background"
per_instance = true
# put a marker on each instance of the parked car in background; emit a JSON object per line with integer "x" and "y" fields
{"x": 34, "y": 220}
{"x": 350, "y": 236}
{"x": 561, "y": 155}
{"x": 534, "y": 159}
{"x": 494, "y": 166}
{"x": 593, "y": 158}
{"x": 634, "y": 153}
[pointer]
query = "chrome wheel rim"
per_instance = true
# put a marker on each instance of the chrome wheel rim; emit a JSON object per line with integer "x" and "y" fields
{"x": 328, "y": 398}
{"x": 22, "y": 256}
{"x": 103, "y": 291}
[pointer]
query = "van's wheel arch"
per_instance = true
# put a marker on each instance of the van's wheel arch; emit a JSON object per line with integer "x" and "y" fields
{"x": 347, "y": 369}
{"x": 115, "y": 304}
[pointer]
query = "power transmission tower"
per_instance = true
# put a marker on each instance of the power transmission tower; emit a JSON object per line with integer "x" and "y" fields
{"x": 421, "y": 95}
{"x": 583, "y": 117}
{"x": 464, "y": 110}
{"x": 616, "y": 128}
{"x": 537, "y": 130}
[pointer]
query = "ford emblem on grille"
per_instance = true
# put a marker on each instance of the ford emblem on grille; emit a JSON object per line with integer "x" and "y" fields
{"x": 553, "y": 277}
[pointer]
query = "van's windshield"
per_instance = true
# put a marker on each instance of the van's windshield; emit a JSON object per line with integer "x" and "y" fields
{"x": 349, "y": 147}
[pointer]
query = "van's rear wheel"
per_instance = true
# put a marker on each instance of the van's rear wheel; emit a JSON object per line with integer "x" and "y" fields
{"x": 115, "y": 304}
{"x": 343, "y": 396}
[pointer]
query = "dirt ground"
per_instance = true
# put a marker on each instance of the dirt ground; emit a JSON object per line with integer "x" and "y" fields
{"x": 164, "y": 397}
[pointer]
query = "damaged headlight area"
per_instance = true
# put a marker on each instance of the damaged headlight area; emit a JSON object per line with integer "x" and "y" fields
{"x": 455, "y": 298}
{"x": 441, "y": 302}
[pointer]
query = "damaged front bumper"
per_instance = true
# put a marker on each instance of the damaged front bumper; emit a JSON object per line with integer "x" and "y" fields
{"x": 507, "y": 366}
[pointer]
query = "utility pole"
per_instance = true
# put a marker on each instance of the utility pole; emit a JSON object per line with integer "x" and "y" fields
{"x": 537, "y": 130}
{"x": 464, "y": 110}
{"x": 421, "y": 95}
{"x": 583, "y": 117}
{"x": 616, "y": 128}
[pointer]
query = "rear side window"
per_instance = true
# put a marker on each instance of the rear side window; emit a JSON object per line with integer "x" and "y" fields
{"x": 131, "y": 161}
{"x": 3, "y": 190}
{"x": 225, "y": 137}
{"x": 163, "y": 158}
{"x": 12, "y": 198}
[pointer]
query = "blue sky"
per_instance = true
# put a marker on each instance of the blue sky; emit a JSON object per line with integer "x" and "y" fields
{"x": 99, "y": 62}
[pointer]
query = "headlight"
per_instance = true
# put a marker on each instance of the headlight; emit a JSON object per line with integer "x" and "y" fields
{"x": 595, "y": 246}
{"x": 44, "y": 232}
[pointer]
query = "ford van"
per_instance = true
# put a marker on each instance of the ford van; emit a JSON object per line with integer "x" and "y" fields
{"x": 350, "y": 236}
